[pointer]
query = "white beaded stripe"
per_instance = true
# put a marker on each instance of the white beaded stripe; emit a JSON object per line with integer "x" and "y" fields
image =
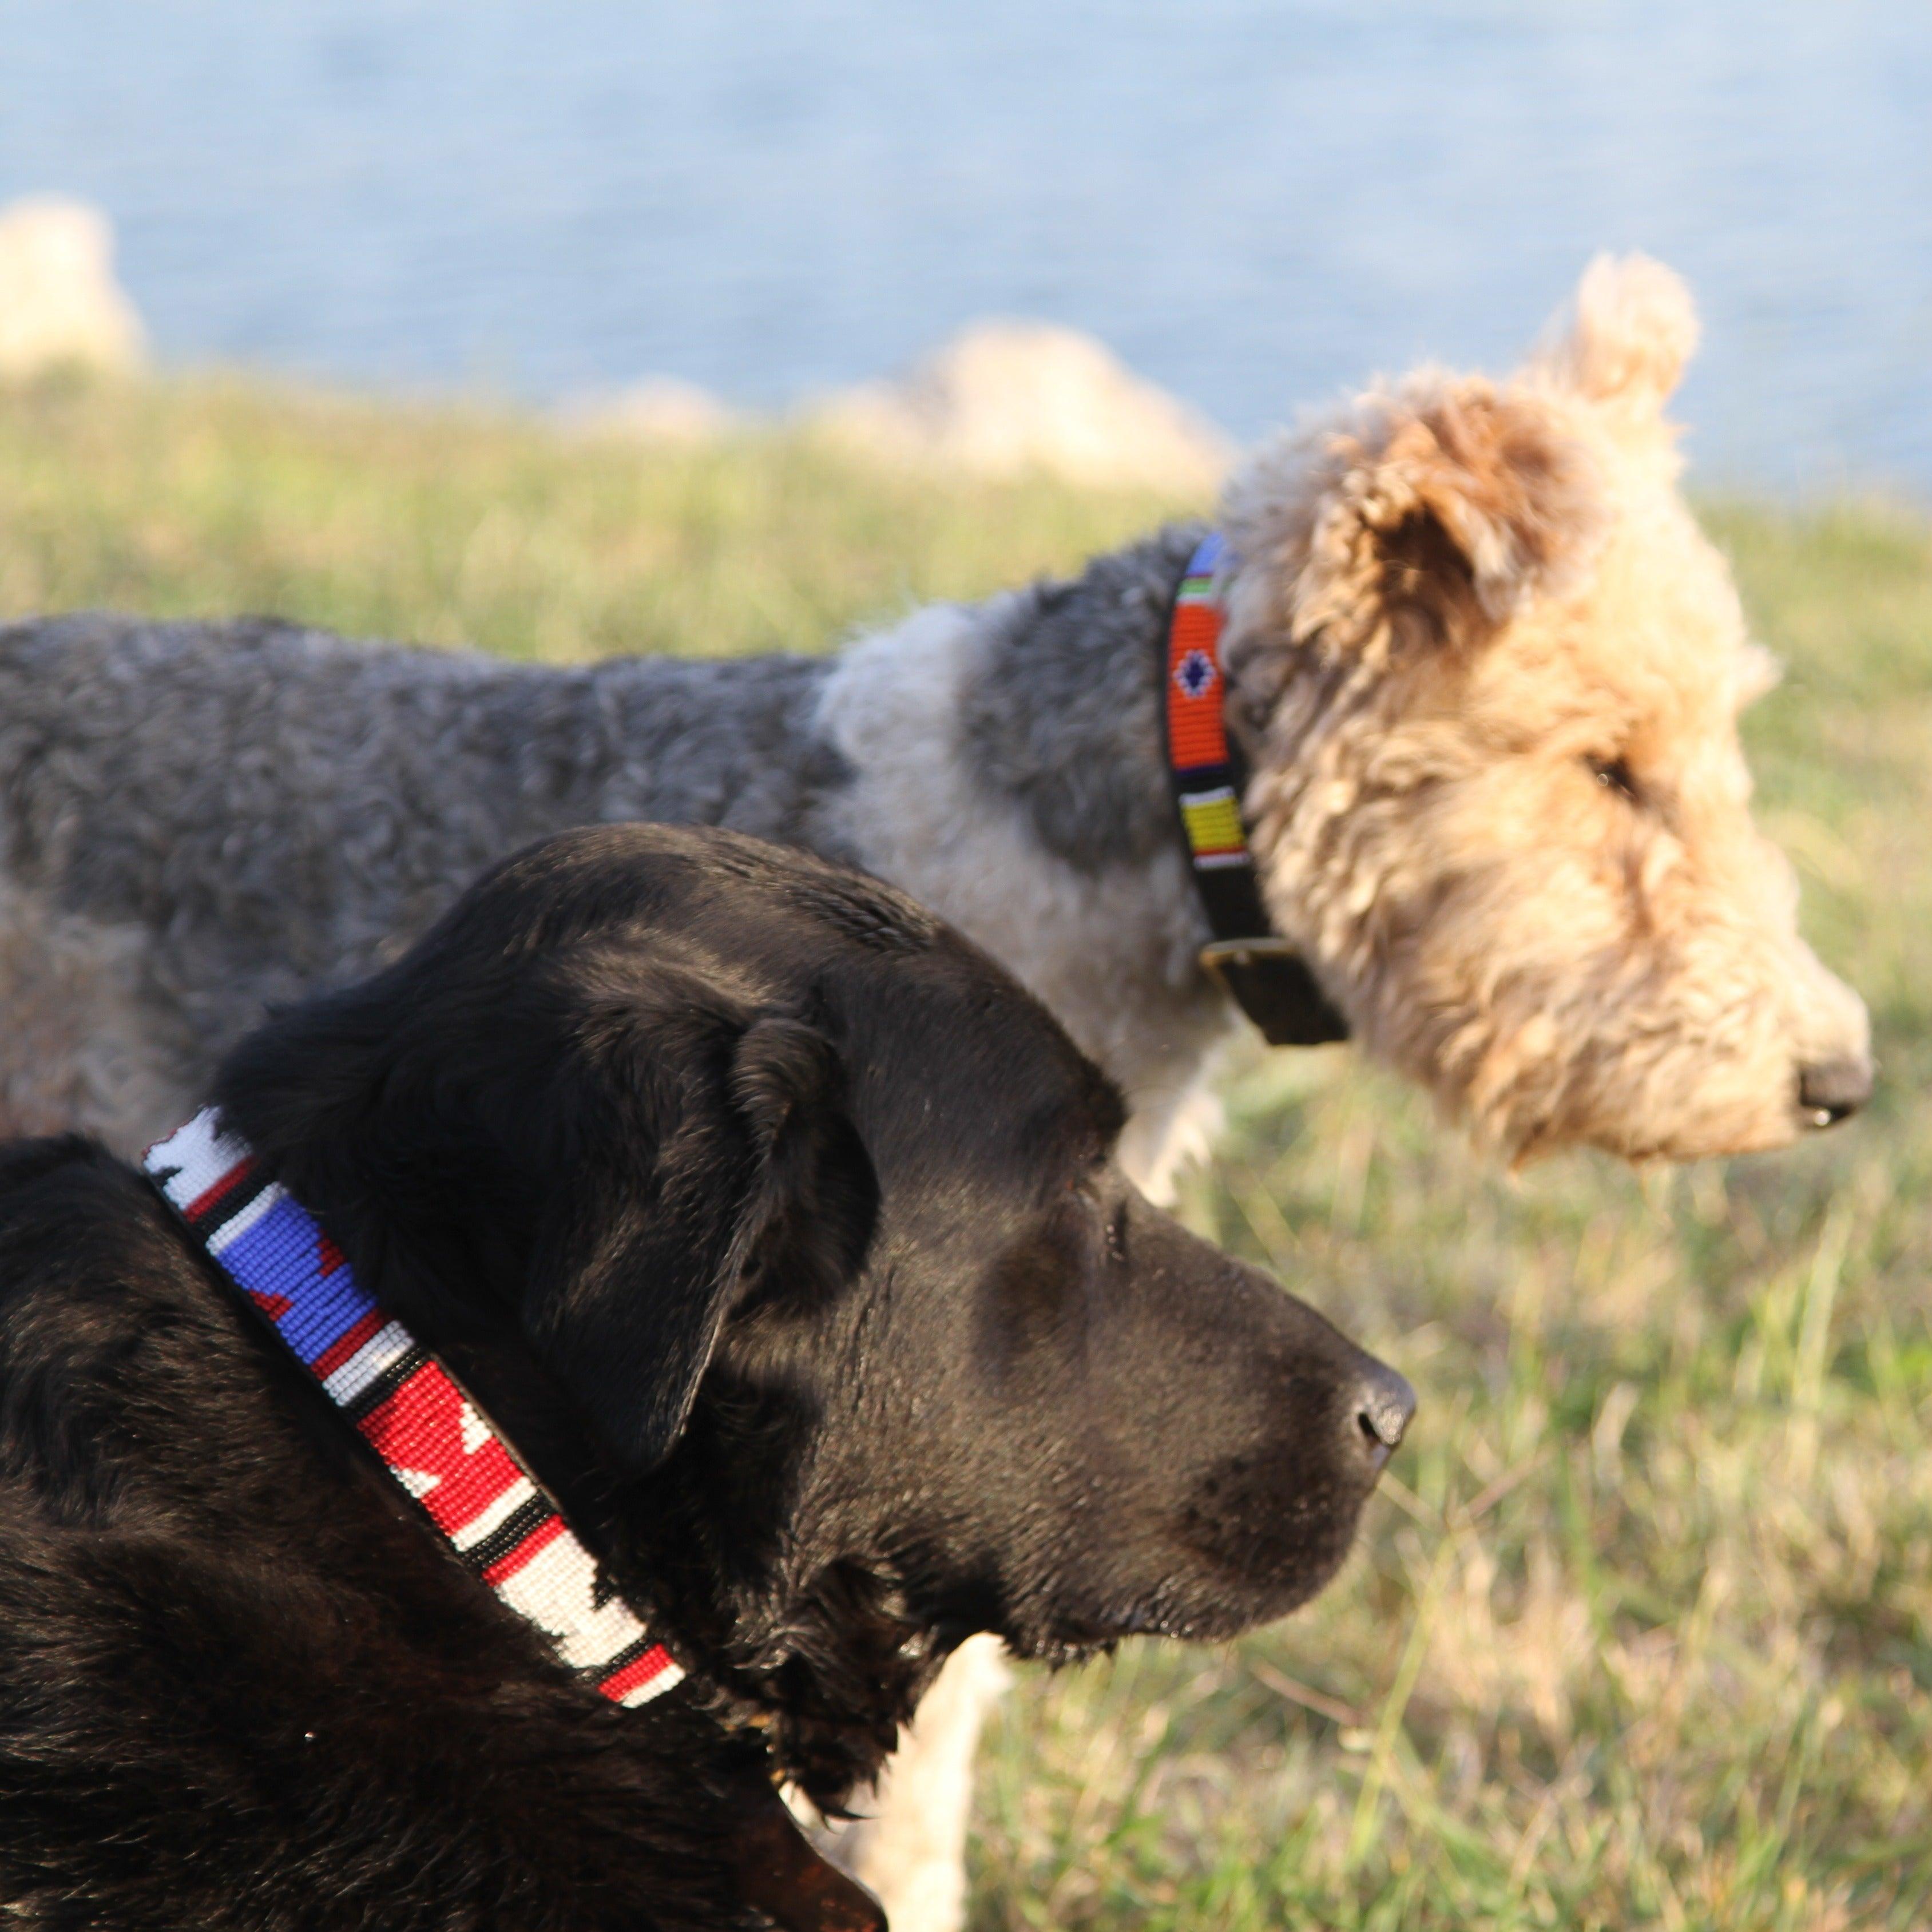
{"x": 556, "y": 1590}
{"x": 505, "y": 1506}
{"x": 200, "y": 1156}
{"x": 232, "y": 1230}
{"x": 390, "y": 1343}
{"x": 668, "y": 1678}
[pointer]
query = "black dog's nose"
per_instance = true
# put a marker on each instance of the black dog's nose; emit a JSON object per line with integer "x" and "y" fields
{"x": 1384, "y": 1404}
{"x": 1833, "y": 1088}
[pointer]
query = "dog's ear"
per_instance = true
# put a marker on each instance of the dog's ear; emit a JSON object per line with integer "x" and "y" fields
{"x": 1427, "y": 515}
{"x": 607, "y": 1156}
{"x": 746, "y": 1184}
{"x": 1630, "y": 330}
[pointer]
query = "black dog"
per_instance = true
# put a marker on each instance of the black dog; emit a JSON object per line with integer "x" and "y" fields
{"x": 780, "y": 1232}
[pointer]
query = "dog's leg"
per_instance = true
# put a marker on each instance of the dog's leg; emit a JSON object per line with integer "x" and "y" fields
{"x": 911, "y": 1851}
{"x": 1166, "y": 1136}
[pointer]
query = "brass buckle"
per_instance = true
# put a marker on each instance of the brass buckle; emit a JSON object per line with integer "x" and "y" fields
{"x": 1270, "y": 981}
{"x": 1218, "y": 954}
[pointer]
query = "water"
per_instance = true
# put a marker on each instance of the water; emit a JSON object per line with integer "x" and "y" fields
{"x": 1256, "y": 203}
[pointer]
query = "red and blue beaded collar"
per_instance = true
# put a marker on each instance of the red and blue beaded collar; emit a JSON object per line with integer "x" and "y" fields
{"x": 440, "y": 1448}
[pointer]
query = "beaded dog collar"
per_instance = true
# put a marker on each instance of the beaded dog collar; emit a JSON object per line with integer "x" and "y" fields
{"x": 1258, "y": 970}
{"x": 431, "y": 1437}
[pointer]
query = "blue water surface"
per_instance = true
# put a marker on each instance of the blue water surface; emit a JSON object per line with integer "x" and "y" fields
{"x": 1256, "y": 203}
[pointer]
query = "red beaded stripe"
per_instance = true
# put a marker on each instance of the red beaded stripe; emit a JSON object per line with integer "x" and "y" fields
{"x": 1196, "y": 726}
{"x": 432, "y": 1440}
{"x": 642, "y": 1670}
{"x": 332, "y": 1358}
{"x": 209, "y": 1197}
{"x": 539, "y": 1539}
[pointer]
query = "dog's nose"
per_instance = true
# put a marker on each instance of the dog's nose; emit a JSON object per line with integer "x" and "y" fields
{"x": 1384, "y": 1404}
{"x": 1833, "y": 1088}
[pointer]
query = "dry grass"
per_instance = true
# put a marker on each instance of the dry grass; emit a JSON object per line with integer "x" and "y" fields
{"x": 1642, "y": 1631}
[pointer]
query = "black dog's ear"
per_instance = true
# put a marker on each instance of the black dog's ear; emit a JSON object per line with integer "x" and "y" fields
{"x": 607, "y": 1158}
{"x": 750, "y": 1186}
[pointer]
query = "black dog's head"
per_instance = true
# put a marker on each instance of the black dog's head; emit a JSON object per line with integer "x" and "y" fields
{"x": 811, "y": 1215}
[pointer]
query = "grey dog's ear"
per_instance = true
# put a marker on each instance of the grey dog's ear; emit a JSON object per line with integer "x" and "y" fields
{"x": 739, "y": 1178}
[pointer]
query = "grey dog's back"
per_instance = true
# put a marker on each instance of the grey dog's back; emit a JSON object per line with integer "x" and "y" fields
{"x": 275, "y": 808}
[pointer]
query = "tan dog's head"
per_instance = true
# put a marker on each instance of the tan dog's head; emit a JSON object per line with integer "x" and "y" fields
{"x": 1490, "y": 671}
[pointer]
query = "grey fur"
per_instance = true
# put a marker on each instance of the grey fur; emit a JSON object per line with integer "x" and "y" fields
{"x": 200, "y": 819}
{"x": 277, "y": 808}
{"x": 1065, "y": 718}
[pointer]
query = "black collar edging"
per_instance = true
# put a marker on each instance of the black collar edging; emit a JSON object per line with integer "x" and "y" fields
{"x": 1258, "y": 970}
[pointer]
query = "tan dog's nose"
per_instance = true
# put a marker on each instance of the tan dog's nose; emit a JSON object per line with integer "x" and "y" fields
{"x": 1833, "y": 1089}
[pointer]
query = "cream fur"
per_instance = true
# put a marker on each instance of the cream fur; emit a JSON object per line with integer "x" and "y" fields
{"x": 1090, "y": 948}
{"x": 911, "y": 1849}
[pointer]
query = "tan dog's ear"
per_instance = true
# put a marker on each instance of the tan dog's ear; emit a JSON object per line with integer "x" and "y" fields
{"x": 1430, "y": 514}
{"x": 1625, "y": 338}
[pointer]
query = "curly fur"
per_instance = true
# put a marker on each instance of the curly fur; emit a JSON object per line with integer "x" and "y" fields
{"x": 1460, "y": 611}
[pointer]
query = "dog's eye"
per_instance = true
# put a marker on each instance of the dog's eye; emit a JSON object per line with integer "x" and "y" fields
{"x": 1614, "y": 775}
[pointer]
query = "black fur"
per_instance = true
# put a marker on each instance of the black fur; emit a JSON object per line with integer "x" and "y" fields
{"x": 781, "y": 1230}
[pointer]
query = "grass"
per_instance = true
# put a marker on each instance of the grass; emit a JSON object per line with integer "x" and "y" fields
{"x": 1640, "y": 1632}
{"x": 460, "y": 525}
